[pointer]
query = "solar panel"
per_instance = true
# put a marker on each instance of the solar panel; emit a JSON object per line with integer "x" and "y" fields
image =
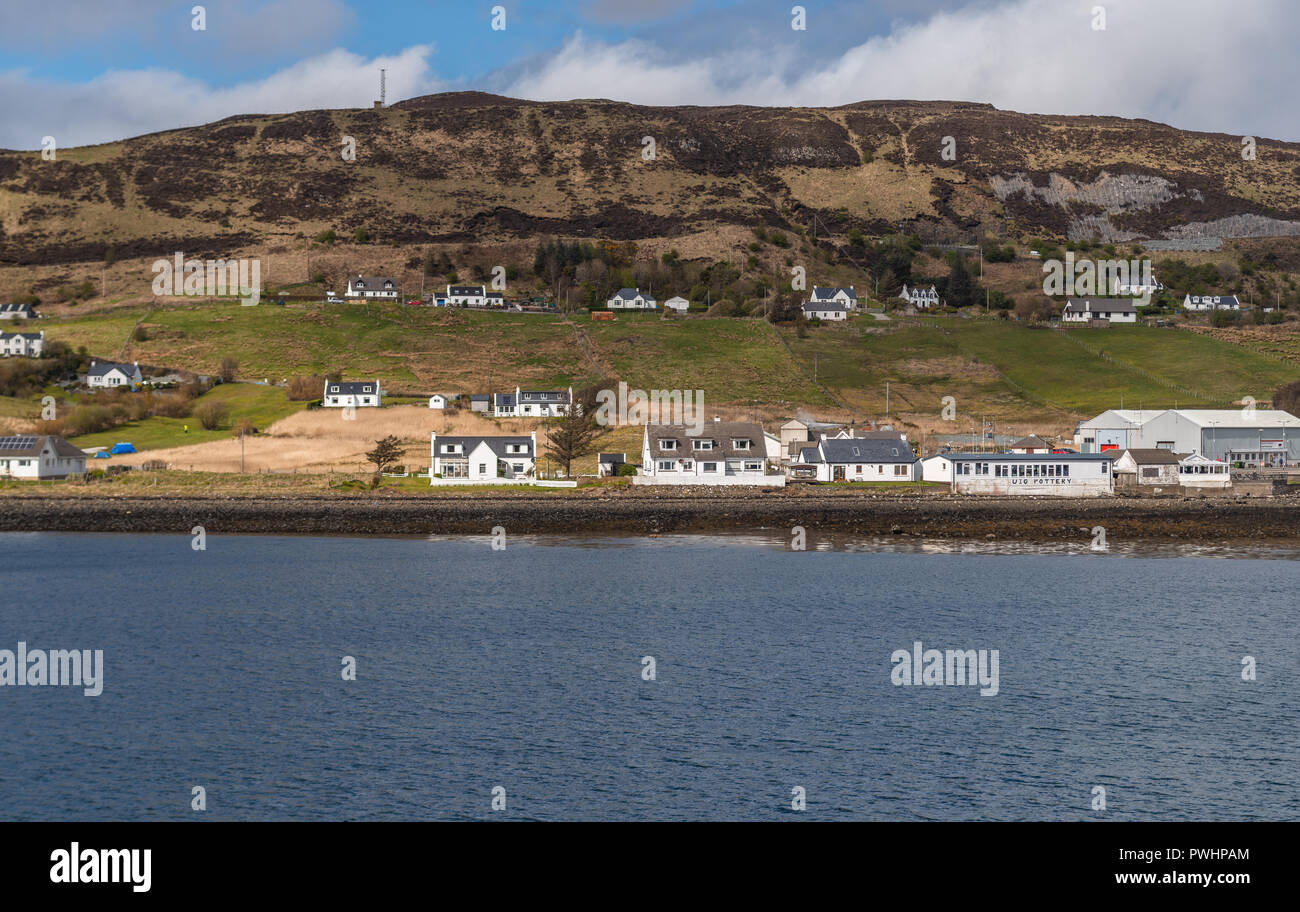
{"x": 17, "y": 443}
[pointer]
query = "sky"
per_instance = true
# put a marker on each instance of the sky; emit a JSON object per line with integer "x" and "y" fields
{"x": 89, "y": 71}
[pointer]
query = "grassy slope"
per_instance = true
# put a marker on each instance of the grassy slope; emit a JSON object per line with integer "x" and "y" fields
{"x": 263, "y": 405}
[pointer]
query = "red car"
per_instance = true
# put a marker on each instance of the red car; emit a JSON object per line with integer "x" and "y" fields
{"x": 414, "y": 303}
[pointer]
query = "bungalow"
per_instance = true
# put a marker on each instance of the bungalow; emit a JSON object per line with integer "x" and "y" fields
{"x": 33, "y": 456}
{"x": 26, "y": 345}
{"x": 17, "y": 312}
{"x": 723, "y": 453}
{"x": 677, "y": 303}
{"x": 920, "y": 298}
{"x": 532, "y": 403}
{"x": 352, "y": 393}
{"x": 825, "y": 310}
{"x": 378, "y": 288}
{"x": 1148, "y": 466}
{"x": 482, "y": 460}
{"x": 607, "y": 464}
{"x": 1085, "y": 310}
{"x": 1031, "y": 444}
{"x": 1211, "y": 302}
{"x": 846, "y": 296}
{"x": 466, "y": 296}
{"x": 1056, "y": 474}
{"x": 631, "y": 299}
{"x": 110, "y": 375}
{"x": 860, "y": 459}
{"x": 1197, "y": 471}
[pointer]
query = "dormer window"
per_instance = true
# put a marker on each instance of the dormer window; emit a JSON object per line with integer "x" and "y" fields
{"x": 742, "y": 444}
{"x": 703, "y": 444}
{"x": 667, "y": 444}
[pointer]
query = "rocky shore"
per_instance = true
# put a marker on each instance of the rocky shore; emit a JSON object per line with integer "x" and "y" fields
{"x": 909, "y": 514}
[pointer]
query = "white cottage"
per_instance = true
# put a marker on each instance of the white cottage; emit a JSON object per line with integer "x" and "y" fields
{"x": 677, "y": 303}
{"x": 631, "y": 299}
{"x": 483, "y": 460}
{"x": 723, "y": 453}
{"x": 1085, "y": 310}
{"x": 825, "y": 310}
{"x": 22, "y": 345}
{"x": 920, "y": 298}
{"x": 111, "y": 375}
{"x": 466, "y": 296}
{"x": 823, "y": 295}
{"x": 876, "y": 458}
{"x": 352, "y": 394}
{"x": 532, "y": 403}
{"x": 377, "y": 288}
{"x": 1211, "y": 302}
{"x": 35, "y": 457}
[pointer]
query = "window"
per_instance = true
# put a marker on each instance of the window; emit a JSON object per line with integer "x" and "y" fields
{"x": 665, "y": 465}
{"x": 688, "y": 465}
{"x": 1067, "y": 470}
{"x": 518, "y": 466}
{"x": 710, "y": 467}
{"x": 859, "y": 470}
{"x": 482, "y": 468}
{"x": 740, "y": 444}
{"x": 667, "y": 444}
{"x": 703, "y": 444}
{"x": 753, "y": 466}
{"x": 900, "y": 470}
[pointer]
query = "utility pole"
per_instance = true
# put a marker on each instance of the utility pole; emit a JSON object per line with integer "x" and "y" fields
{"x": 241, "y": 451}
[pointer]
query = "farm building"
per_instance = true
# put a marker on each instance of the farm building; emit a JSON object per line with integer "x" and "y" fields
{"x": 1054, "y": 474}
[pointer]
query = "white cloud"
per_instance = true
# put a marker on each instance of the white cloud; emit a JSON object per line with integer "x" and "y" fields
{"x": 124, "y": 103}
{"x": 1198, "y": 64}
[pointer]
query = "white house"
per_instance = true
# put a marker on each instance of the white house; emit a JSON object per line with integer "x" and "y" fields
{"x": 723, "y": 453}
{"x": 466, "y": 296}
{"x": 532, "y": 403}
{"x": 110, "y": 375}
{"x": 861, "y": 459}
{"x": 1211, "y": 302}
{"x": 677, "y": 303}
{"x": 1083, "y": 310}
{"x": 33, "y": 456}
{"x": 25, "y": 345}
{"x": 846, "y": 296}
{"x": 1136, "y": 289}
{"x": 17, "y": 312}
{"x": 607, "y": 464}
{"x": 352, "y": 393}
{"x": 825, "y": 310}
{"x": 631, "y": 299}
{"x": 1030, "y": 444}
{"x": 1149, "y": 466}
{"x": 920, "y": 298}
{"x": 494, "y": 299}
{"x": 937, "y": 468}
{"x": 482, "y": 460}
{"x": 1197, "y": 471}
{"x": 437, "y": 401}
{"x": 1056, "y": 474}
{"x": 377, "y": 288}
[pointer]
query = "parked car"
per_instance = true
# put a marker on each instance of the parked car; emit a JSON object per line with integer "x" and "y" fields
{"x": 414, "y": 303}
{"x": 332, "y": 298}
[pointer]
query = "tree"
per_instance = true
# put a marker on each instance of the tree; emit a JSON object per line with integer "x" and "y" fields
{"x": 960, "y": 287}
{"x": 211, "y": 414}
{"x": 229, "y": 369}
{"x": 1287, "y": 398}
{"x": 571, "y": 437}
{"x": 387, "y": 453}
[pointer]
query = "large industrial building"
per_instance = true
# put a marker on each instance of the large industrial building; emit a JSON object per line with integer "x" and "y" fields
{"x": 1249, "y": 437}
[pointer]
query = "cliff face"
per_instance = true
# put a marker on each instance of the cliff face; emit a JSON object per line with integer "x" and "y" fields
{"x": 464, "y": 166}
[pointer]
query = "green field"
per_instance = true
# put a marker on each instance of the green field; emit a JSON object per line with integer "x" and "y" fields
{"x": 994, "y": 367}
{"x": 263, "y": 405}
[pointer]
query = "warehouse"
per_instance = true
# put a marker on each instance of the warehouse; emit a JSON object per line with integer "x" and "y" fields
{"x": 1247, "y": 437}
{"x": 1052, "y": 474}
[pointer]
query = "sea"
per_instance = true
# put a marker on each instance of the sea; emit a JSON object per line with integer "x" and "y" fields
{"x": 703, "y": 677}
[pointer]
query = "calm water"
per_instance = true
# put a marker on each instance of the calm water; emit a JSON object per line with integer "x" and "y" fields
{"x": 522, "y": 669}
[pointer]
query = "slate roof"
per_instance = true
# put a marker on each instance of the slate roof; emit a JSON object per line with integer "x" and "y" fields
{"x": 546, "y": 397}
{"x": 373, "y": 282}
{"x": 1032, "y": 441}
{"x": 102, "y": 368}
{"x": 1100, "y": 305}
{"x": 821, "y": 293}
{"x": 862, "y": 449}
{"x": 721, "y": 433}
{"x": 1156, "y": 457}
{"x": 496, "y": 444}
{"x": 352, "y": 387}
{"x": 465, "y": 290}
{"x": 31, "y": 337}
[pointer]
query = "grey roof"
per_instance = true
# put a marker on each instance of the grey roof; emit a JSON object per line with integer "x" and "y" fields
{"x": 497, "y": 444}
{"x": 353, "y": 387}
{"x": 465, "y": 290}
{"x": 544, "y": 396}
{"x": 863, "y": 449}
{"x": 1105, "y": 305}
{"x": 1155, "y": 456}
{"x": 821, "y": 291}
{"x": 628, "y": 294}
{"x": 721, "y": 433}
{"x": 32, "y": 337}
{"x": 373, "y": 281}
{"x": 30, "y": 445}
{"x": 1032, "y": 457}
{"x": 16, "y": 308}
{"x": 101, "y": 368}
{"x": 479, "y": 397}
{"x": 1033, "y": 440}
{"x": 504, "y": 400}
{"x": 611, "y": 458}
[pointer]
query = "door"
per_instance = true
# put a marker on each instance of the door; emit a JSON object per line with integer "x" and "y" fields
{"x": 839, "y": 473}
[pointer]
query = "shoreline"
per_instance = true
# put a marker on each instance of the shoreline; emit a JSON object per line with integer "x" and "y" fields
{"x": 1191, "y": 520}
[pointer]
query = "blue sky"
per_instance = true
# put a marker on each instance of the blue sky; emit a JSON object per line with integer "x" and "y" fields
{"x": 96, "y": 70}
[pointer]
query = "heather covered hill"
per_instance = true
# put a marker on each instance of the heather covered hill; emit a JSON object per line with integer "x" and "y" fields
{"x": 463, "y": 167}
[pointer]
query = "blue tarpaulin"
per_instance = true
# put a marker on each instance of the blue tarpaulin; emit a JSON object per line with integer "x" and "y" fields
{"x": 102, "y": 454}
{"x": 122, "y": 448}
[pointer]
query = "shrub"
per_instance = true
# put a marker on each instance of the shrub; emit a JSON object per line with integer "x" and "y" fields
{"x": 211, "y": 414}
{"x": 625, "y": 468}
{"x": 304, "y": 389}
